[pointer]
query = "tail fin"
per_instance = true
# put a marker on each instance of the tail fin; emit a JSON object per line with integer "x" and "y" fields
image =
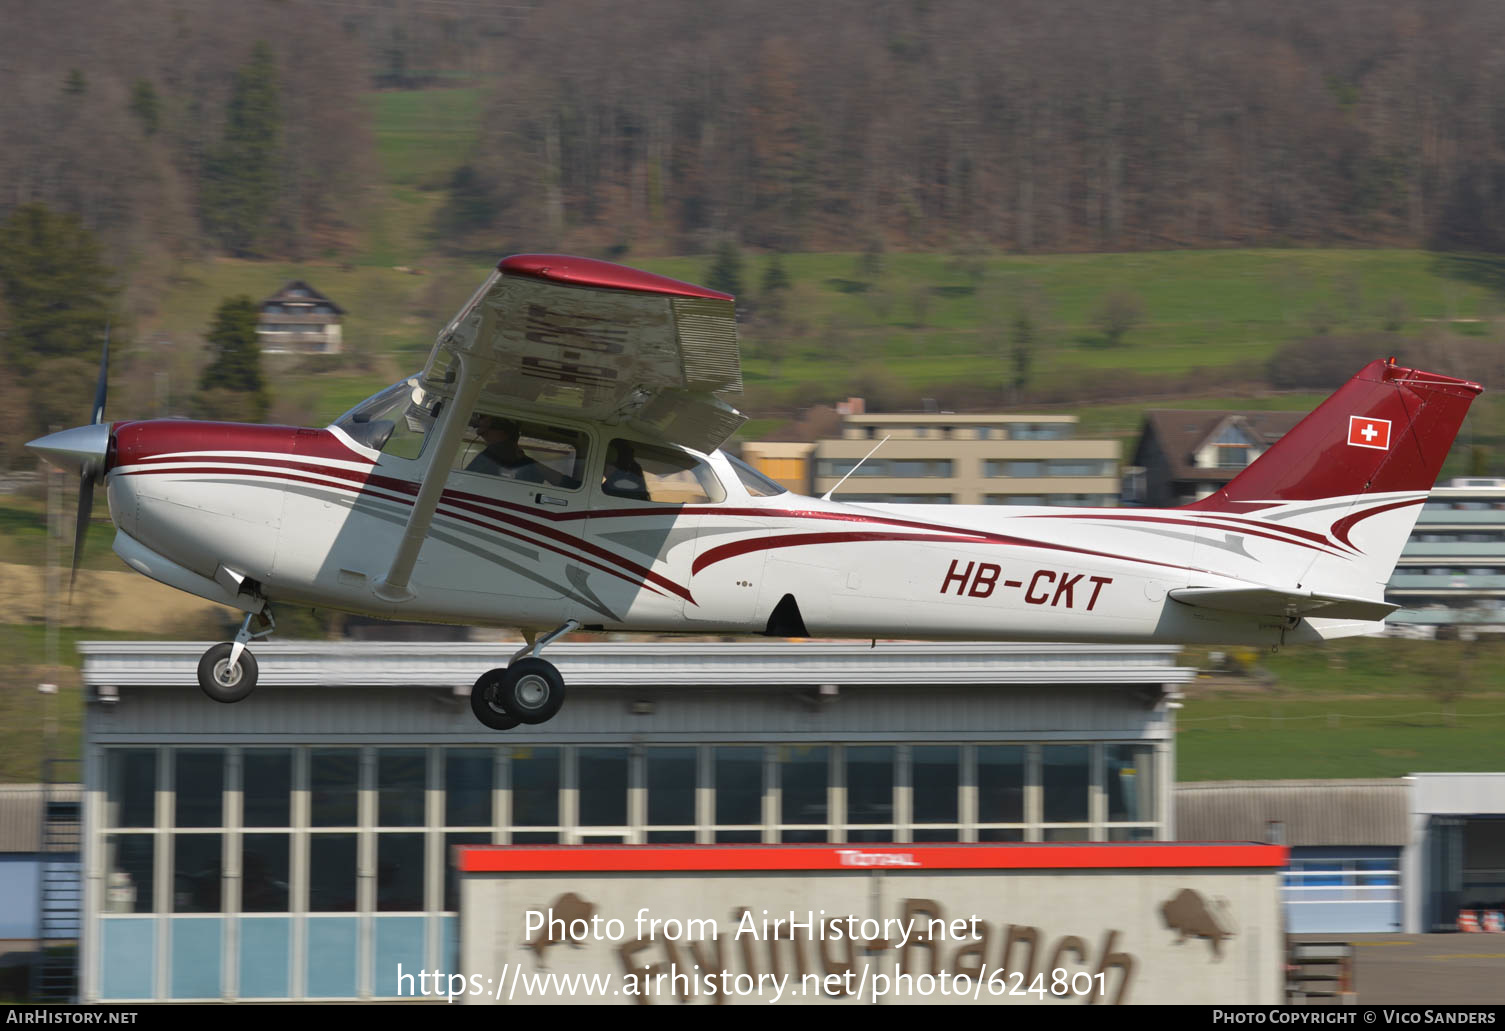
{"x": 1386, "y": 430}
{"x": 1345, "y": 488}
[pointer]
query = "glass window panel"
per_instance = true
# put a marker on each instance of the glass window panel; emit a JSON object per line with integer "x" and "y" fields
{"x": 645, "y": 472}
{"x": 1065, "y": 776}
{"x": 264, "y": 873}
{"x": 671, "y": 837}
{"x": 1000, "y": 783}
{"x": 1000, "y": 834}
{"x": 1131, "y": 834}
{"x": 334, "y": 775}
{"x": 128, "y": 885}
{"x": 399, "y": 873}
{"x": 602, "y": 787}
{"x": 1129, "y": 773}
{"x": 451, "y": 875}
{"x": 399, "y": 787}
{"x": 738, "y": 837}
{"x": 468, "y": 775}
{"x": 937, "y": 834}
{"x": 870, "y": 785}
{"x": 936, "y": 779}
{"x": 798, "y": 837}
{"x": 267, "y": 785}
{"x": 535, "y": 788}
{"x": 536, "y": 838}
{"x": 331, "y": 873}
{"x": 196, "y": 873}
{"x": 133, "y": 787}
{"x": 199, "y": 784}
{"x": 803, "y": 778}
{"x": 870, "y": 834}
{"x": 739, "y": 786}
{"x": 671, "y": 787}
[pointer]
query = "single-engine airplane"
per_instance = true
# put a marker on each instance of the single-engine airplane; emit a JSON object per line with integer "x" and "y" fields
{"x": 555, "y": 466}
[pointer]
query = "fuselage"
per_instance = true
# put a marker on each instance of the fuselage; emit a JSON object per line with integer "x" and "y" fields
{"x": 312, "y": 517}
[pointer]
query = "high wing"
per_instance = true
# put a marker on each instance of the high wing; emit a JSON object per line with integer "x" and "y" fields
{"x": 587, "y": 339}
{"x": 549, "y": 334}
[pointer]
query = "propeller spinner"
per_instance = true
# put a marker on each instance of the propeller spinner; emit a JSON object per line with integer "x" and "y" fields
{"x": 84, "y": 450}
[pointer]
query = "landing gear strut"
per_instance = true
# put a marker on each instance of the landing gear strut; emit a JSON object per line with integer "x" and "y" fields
{"x": 527, "y": 690}
{"x": 227, "y": 671}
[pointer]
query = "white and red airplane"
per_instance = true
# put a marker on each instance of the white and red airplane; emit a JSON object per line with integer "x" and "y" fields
{"x": 555, "y": 467}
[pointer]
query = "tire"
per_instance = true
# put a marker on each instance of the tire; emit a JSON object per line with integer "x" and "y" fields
{"x": 483, "y": 701}
{"x": 531, "y": 690}
{"x": 218, "y": 682}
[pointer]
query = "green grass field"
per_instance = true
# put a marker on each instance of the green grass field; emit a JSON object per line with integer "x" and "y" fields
{"x": 1357, "y": 708}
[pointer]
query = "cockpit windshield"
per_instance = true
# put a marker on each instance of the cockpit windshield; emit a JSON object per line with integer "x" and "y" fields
{"x": 395, "y": 422}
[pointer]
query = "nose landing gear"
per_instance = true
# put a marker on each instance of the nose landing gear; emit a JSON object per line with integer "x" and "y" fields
{"x": 227, "y": 671}
{"x": 527, "y": 690}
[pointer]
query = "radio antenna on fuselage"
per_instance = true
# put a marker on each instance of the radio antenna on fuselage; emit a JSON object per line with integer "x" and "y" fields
{"x": 827, "y": 495}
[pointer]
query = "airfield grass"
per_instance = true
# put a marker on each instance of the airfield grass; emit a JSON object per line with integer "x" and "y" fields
{"x": 1366, "y": 707}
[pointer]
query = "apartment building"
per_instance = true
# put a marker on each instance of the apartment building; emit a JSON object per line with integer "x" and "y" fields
{"x": 943, "y": 458}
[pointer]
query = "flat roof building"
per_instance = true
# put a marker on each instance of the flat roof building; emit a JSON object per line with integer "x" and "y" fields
{"x": 296, "y": 845}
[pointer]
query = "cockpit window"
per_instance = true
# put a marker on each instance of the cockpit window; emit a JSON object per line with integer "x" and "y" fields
{"x": 644, "y": 472}
{"x": 528, "y": 452}
{"x": 395, "y": 422}
{"x": 758, "y": 485}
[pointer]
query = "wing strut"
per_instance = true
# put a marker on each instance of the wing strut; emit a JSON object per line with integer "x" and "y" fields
{"x": 473, "y": 373}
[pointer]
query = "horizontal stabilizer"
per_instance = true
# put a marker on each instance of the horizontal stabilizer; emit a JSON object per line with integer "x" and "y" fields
{"x": 1270, "y": 601}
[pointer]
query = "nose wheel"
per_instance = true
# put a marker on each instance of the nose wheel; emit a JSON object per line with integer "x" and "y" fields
{"x": 227, "y": 671}
{"x": 527, "y": 690}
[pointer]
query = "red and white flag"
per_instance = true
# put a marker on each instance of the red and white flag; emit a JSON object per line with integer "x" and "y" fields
{"x": 1366, "y": 432}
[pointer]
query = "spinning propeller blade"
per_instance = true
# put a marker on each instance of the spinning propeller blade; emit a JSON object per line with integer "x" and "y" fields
{"x": 90, "y": 474}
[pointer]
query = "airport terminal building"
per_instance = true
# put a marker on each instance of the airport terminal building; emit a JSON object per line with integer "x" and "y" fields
{"x": 298, "y": 845}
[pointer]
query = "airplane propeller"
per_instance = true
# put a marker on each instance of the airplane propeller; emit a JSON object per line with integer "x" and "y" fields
{"x": 83, "y": 449}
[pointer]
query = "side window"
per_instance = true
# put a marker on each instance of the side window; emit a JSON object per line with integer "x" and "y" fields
{"x": 527, "y": 452}
{"x": 644, "y": 472}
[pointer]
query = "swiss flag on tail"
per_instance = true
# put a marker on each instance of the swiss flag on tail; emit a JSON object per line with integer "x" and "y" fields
{"x": 1366, "y": 432}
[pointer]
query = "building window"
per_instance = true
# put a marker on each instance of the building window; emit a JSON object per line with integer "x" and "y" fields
{"x": 804, "y": 778}
{"x": 1001, "y": 783}
{"x": 738, "y": 774}
{"x": 935, "y": 779}
{"x": 535, "y": 795}
{"x": 870, "y": 792}
{"x": 671, "y": 780}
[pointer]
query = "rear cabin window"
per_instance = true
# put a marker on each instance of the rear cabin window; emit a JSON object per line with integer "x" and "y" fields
{"x": 645, "y": 472}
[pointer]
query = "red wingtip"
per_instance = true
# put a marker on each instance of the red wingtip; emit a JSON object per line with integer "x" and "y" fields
{"x": 572, "y": 271}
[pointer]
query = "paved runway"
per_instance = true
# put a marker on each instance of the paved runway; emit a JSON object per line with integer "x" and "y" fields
{"x": 1421, "y": 969}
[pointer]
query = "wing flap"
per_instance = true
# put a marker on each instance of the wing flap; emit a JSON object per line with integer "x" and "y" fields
{"x": 1279, "y": 604}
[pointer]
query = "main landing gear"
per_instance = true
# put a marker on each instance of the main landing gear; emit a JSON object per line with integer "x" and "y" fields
{"x": 227, "y": 672}
{"x": 527, "y": 690}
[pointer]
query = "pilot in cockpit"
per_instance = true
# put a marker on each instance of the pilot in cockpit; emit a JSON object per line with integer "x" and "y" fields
{"x": 503, "y": 457}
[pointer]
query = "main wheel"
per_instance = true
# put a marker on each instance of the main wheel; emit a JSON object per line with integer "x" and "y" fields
{"x": 531, "y": 690}
{"x": 484, "y": 704}
{"x": 223, "y": 682}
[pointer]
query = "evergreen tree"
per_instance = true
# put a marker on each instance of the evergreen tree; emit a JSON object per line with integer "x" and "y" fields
{"x": 241, "y": 174}
{"x": 726, "y": 271}
{"x": 58, "y": 293}
{"x": 231, "y": 386}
